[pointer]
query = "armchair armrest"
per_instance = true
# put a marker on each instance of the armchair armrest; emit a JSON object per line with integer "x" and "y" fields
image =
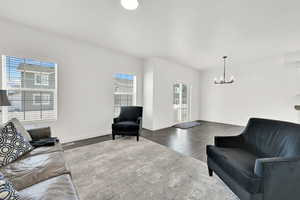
{"x": 116, "y": 120}
{"x": 40, "y": 133}
{"x": 229, "y": 141}
{"x": 140, "y": 122}
{"x": 281, "y": 177}
{"x": 265, "y": 165}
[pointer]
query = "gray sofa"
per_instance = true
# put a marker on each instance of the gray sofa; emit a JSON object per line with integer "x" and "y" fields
{"x": 41, "y": 174}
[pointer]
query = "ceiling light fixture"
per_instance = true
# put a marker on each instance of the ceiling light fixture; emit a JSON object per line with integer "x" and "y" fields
{"x": 130, "y": 4}
{"x": 223, "y": 78}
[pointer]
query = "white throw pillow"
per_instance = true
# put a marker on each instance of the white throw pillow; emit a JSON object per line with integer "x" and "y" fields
{"x": 12, "y": 144}
{"x": 7, "y": 190}
{"x": 20, "y": 128}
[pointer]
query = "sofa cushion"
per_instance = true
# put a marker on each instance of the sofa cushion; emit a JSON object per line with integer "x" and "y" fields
{"x": 34, "y": 169}
{"x": 20, "y": 128}
{"x": 272, "y": 138}
{"x": 130, "y": 113}
{"x": 60, "y": 187}
{"x": 45, "y": 150}
{"x": 238, "y": 164}
{"x": 126, "y": 126}
{"x": 7, "y": 190}
{"x": 12, "y": 144}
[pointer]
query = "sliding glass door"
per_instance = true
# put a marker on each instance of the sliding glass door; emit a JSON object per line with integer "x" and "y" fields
{"x": 181, "y": 102}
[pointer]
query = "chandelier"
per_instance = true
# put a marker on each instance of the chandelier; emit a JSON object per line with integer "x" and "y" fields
{"x": 223, "y": 79}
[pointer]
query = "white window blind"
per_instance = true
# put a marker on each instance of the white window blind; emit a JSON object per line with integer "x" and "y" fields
{"x": 124, "y": 91}
{"x": 32, "y": 89}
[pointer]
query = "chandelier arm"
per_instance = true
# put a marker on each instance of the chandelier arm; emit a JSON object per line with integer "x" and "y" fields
{"x": 224, "y": 75}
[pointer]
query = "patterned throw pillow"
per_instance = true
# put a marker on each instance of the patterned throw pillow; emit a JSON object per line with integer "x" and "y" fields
{"x": 7, "y": 190}
{"x": 12, "y": 144}
{"x": 20, "y": 128}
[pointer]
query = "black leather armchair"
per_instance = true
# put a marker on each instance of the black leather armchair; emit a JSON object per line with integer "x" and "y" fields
{"x": 263, "y": 163}
{"x": 129, "y": 122}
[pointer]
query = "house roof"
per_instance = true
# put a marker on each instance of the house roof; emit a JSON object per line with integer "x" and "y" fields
{"x": 35, "y": 68}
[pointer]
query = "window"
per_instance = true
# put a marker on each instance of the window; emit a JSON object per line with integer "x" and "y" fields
{"x": 176, "y": 94}
{"x": 124, "y": 91}
{"x": 32, "y": 89}
{"x": 41, "y": 79}
{"x": 180, "y": 102}
{"x": 41, "y": 99}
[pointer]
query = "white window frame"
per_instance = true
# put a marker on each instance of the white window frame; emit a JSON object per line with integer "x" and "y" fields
{"x": 42, "y": 102}
{"x": 44, "y": 82}
{"x": 134, "y": 93}
{"x": 5, "y": 86}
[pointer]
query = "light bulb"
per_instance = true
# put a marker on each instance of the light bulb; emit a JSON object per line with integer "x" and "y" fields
{"x": 130, "y": 4}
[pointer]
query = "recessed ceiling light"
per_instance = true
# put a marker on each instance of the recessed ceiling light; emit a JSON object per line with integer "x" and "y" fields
{"x": 130, "y": 4}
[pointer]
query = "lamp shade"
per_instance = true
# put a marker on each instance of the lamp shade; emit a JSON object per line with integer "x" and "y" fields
{"x": 3, "y": 98}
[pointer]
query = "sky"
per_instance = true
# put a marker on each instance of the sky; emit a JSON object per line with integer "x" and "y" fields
{"x": 124, "y": 76}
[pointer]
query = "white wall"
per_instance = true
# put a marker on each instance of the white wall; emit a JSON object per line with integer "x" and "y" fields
{"x": 266, "y": 88}
{"x": 148, "y": 95}
{"x": 165, "y": 75}
{"x": 85, "y": 100}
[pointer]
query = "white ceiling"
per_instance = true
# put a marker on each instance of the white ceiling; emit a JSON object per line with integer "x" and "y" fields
{"x": 193, "y": 32}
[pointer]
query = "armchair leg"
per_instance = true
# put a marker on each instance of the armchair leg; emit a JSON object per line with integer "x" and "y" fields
{"x": 210, "y": 172}
{"x": 113, "y": 136}
{"x": 137, "y": 138}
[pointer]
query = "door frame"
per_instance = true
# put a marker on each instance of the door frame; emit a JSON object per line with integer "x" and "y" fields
{"x": 189, "y": 105}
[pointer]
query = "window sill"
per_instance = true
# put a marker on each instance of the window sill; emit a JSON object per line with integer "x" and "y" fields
{"x": 38, "y": 122}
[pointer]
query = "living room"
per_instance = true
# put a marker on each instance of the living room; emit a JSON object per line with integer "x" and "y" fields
{"x": 205, "y": 87}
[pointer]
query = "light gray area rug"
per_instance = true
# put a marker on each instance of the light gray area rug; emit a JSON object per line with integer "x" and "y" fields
{"x": 128, "y": 170}
{"x": 187, "y": 125}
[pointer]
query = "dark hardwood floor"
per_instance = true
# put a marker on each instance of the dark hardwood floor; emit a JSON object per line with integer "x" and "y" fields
{"x": 191, "y": 142}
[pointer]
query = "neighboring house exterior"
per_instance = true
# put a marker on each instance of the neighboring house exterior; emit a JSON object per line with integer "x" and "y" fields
{"x": 38, "y": 81}
{"x": 124, "y": 91}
